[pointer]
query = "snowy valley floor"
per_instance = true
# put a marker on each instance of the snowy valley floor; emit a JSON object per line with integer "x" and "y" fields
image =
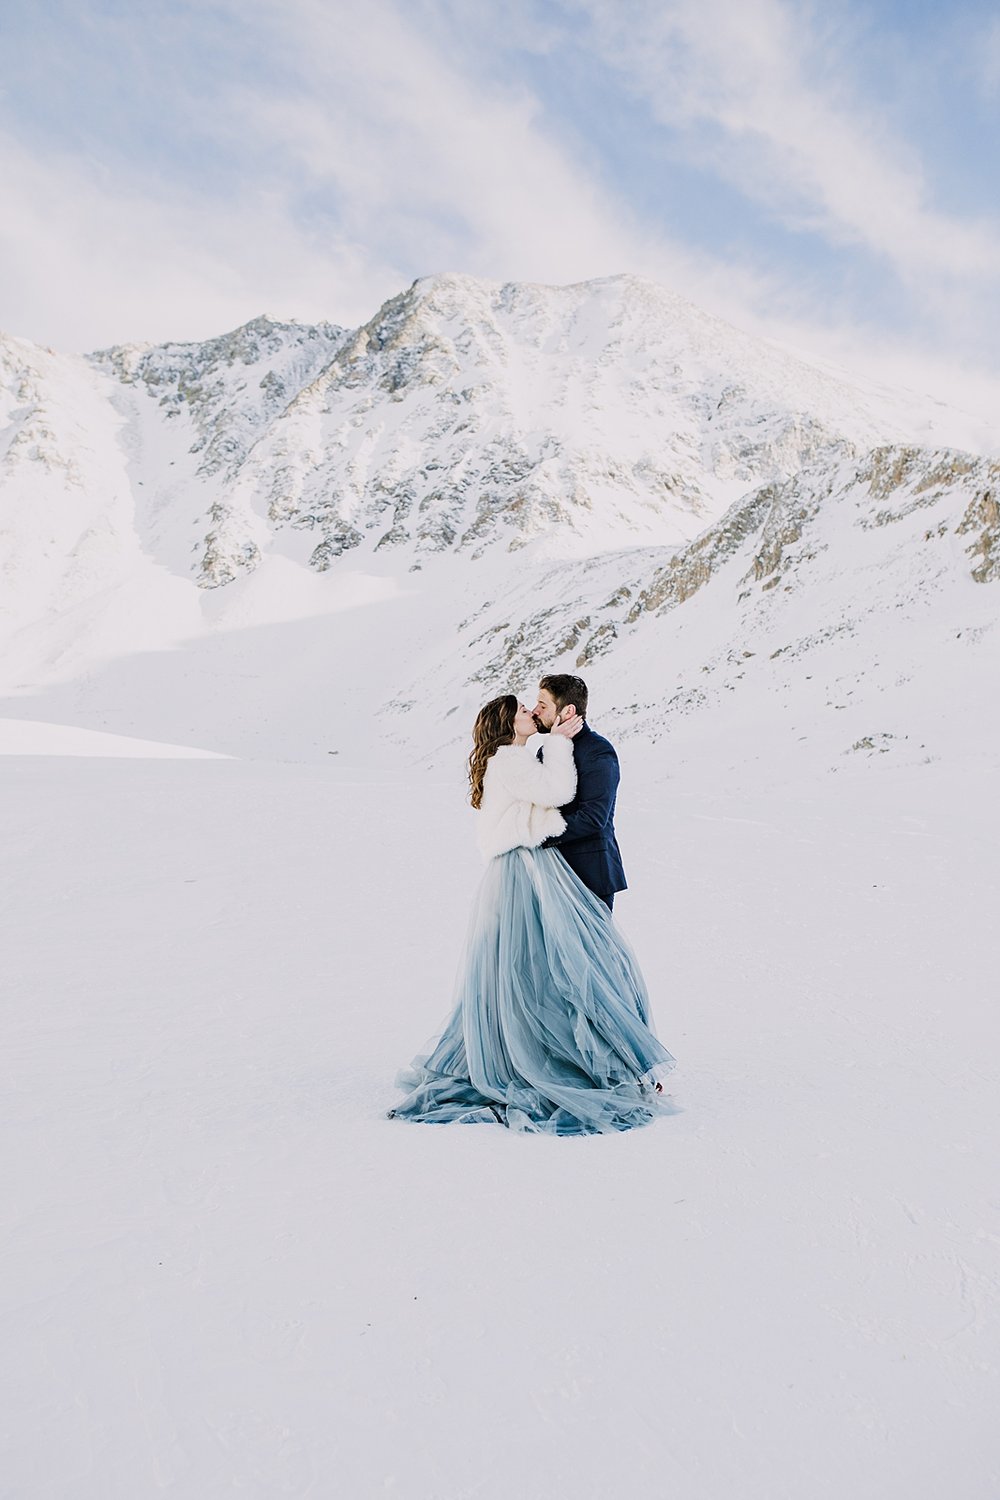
{"x": 225, "y": 1272}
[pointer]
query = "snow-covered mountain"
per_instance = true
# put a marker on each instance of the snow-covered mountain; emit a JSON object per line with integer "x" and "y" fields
{"x": 291, "y": 536}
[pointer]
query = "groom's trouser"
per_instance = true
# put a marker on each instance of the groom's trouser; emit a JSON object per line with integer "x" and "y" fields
{"x": 609, "y": 900}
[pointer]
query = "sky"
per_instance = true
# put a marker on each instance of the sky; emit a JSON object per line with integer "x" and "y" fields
{"x": 826, "y": 175}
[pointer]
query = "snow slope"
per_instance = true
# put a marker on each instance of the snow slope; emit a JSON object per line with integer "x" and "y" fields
{"x": 850, "y": 611}
{"x": 26, "y": 737}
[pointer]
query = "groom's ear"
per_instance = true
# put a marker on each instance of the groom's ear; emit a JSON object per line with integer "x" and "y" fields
{"x": 569, "y": 712}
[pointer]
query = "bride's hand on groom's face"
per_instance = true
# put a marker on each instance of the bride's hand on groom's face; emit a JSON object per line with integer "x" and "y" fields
{"x": 570, "y": 726}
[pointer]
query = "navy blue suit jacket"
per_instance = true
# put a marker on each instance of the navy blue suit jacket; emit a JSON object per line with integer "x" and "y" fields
{"x": 588, "y": 844}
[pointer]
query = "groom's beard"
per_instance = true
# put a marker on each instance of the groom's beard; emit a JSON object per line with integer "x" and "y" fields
{"x": 542, "y": 728}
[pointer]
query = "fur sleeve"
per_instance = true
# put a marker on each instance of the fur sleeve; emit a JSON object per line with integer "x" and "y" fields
{"x": 546, "y": 783}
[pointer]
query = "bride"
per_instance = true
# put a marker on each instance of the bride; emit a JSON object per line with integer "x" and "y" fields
{"x": 551, "y": 1029}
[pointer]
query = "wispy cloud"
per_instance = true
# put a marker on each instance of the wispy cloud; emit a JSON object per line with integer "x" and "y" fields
{"x": 437, "y": 167}
{"x": 361, "y": 158}
{"x": 88, "y": 260}
{"x": 765, "y": 98}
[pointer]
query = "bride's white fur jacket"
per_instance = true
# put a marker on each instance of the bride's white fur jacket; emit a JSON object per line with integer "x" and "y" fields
{"x": 522, "y": 795}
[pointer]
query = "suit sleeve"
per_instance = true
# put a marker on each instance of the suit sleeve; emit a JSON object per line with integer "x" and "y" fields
{"x": 547, "y": 783}
{"x": 595, "y": 795}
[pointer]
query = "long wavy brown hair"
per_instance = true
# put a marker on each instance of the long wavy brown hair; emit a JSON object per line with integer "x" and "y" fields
{"x": 494, "y": 727}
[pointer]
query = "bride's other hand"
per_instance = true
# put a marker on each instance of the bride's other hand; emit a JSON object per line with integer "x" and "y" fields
{"x": 569, "y": 727}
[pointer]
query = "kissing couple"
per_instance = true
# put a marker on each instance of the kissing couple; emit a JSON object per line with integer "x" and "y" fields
{"x": 550, "y": 1031}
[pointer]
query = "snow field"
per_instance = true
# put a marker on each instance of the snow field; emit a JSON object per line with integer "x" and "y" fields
{"x": 227, "y": 1272}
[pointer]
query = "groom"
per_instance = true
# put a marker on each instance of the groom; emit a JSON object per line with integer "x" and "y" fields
{"x": 588, "y": 844}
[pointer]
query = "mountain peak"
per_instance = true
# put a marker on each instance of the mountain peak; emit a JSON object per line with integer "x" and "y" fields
{"x": 674, "y": 491}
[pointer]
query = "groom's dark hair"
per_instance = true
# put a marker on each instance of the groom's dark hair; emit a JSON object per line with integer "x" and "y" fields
{"x": 566, "y": 689}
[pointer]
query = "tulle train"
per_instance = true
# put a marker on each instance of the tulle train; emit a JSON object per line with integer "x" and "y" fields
{"x": 551, "y": 1029}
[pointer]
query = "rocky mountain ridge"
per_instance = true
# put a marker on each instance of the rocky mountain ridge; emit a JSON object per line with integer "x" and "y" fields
{"x": 526, "y": 476}
{"x": 467, "y": 415}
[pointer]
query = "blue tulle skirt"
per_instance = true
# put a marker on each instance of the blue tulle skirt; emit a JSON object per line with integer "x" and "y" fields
{"x": 551, "y": 1029}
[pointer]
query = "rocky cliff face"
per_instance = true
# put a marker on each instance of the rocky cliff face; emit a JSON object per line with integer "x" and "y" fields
{"x": 212, "y": 403}
{"x": 465, "y": 417}
{"x": 229, "y": 389}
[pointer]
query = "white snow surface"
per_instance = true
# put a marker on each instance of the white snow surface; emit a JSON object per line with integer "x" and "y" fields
{"x": 28, "y": 737}
{"x": 225, "y": 1271}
